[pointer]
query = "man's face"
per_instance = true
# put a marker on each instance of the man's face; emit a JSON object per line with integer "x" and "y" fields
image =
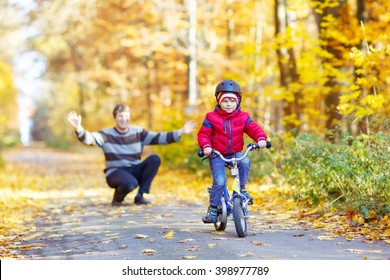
{"x": 122, "y": 120}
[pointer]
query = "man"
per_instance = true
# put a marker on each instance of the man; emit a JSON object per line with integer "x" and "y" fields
{"x": 123, "y": 146}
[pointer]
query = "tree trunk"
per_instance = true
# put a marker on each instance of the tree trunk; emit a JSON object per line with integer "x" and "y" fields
{"x": 362, "y": 18}
{"x": 287, "y": 64}
{"x": 192, "y": 58}
{"x": 331, "y": 45}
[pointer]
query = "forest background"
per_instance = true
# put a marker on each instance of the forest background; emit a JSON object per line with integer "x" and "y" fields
{"x": 314, "y": 74}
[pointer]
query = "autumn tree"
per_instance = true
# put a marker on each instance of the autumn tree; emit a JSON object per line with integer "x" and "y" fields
{"x": 367, "y": 101}
{"x": 10, "y": 40}
{"x": 338, "y": 34}
{"x": 296, "y": 65}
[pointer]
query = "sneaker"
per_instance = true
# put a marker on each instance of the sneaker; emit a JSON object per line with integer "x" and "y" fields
{"x": 247, "y": 195}
{"x": 141, "y": 200}
{"x": 212, "y": 215}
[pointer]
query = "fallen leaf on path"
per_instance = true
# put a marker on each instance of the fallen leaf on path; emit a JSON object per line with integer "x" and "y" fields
{"x": 112, "y": 234}
{"x": 25, "y": 248}
{"x": 148, "y": 252}
{"x": 140, "y": 236}
{"x": 188, "y": 257}
{"x": 211, "y": 245}
{"x": 90, "y": 232}
{"x": 124, "y": 246}
{"x": 226, "y": 238}
{"x": 249, "y": 254}
{"x": 324, "y": 237}
{"x": 169, "y": 235}
{"x": 217, "y": 232}
{"x": 193, "y": 248}
{"x": 259, "y": 243}
{"x": 56, "y": 235}
{"x": 186, "y": 240}
{"x": 67, "y": 251}
{"x": 298, "y": 235}
{"x": 349, "y": 236}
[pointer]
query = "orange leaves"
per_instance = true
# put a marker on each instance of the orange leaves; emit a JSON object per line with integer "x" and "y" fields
{"x": 350, "y": 224}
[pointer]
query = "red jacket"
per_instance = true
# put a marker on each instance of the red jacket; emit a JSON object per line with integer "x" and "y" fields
{"x": 225, "y": 132}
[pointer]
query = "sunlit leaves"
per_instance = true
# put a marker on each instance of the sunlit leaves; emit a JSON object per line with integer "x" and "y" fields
{"x": 8, "y": 105}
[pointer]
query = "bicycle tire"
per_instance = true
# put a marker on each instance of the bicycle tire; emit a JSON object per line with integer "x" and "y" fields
{"x": 239, "y": 217}
{"x": 222, "y": 217}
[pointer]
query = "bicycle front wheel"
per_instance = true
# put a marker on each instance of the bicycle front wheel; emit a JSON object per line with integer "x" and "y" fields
{"x": 239, "y": 217}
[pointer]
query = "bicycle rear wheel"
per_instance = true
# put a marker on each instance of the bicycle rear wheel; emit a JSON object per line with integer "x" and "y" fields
{"x": 222, "y": 217}
{"x": 239, "y": 217}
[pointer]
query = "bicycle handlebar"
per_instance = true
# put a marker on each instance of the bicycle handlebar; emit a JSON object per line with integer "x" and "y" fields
{"x": 251, "y": 146}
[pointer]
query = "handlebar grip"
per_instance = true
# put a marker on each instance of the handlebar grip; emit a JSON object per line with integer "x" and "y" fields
{"x": 200, "y": 153}
{"x": 256, "y": 146}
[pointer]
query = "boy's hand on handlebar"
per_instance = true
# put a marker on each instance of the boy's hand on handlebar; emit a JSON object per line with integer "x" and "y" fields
{"x": 262, "y": 144}
{"x": 207, "y": 151}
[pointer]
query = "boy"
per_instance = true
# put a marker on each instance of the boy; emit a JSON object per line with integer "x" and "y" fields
{"x": 223, "y": 129}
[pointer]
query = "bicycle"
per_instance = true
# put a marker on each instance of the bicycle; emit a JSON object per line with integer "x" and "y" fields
{"x": 235, "y": 203}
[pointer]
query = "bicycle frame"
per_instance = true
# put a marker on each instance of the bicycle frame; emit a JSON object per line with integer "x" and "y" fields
{"x": 235, "y": 189}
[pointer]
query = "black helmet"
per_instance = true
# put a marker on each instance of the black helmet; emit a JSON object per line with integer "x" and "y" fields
{"x": 228, "y": 86}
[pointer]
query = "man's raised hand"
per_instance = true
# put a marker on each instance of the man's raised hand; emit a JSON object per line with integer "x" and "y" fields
{"x": 75, "y": 120}
{"x": 188, "y": 127}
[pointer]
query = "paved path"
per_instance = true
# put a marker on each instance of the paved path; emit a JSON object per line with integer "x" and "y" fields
{"x": 87, "y": 228}
{"x": 100, "y": 232}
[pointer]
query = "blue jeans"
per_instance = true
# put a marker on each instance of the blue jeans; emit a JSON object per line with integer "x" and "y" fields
{"x": 218, "y": 171}
{"x": 126, "y": 179}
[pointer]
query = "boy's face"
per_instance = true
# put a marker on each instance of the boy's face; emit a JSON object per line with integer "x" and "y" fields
{"x": 122, "y": 120}
{"x": 228, "y": 104}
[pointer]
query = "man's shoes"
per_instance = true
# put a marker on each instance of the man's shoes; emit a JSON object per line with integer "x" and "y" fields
{"x": 212, "y": 215}
{"x": 116, "y": 203}
{"x": 141, "y": 200}
{"x": 118, "y": 197}
{"x": 247, "y": 195}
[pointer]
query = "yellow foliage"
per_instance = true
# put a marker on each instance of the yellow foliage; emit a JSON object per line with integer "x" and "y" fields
{"x": 375, "y": 102}
{"x": 362, "y": 112}
{"x": 345, "y": 108}
{"x": 8, "y": 105}
{"x": 291, "y": 119}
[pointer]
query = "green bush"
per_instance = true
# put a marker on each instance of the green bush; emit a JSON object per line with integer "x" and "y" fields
{"x": 353, "y": 173}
